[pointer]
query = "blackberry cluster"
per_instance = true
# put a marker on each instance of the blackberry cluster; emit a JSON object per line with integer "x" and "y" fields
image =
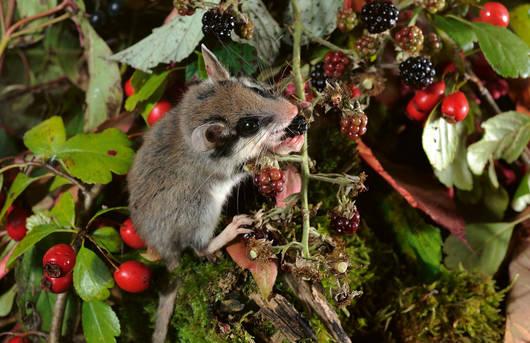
{"x": 346, "y": 20}
{"x": 379, "y": 16}
{"x": 367, "y": 46}
{"x": 184, "y": 7}
{"x": 318, "y": 77}
{"x": 343, "y": 225}
{"x": 410, "y": 39}
{"x": 297, "y": 127}
{"x": 218, "y": 24}
{"x": 270, "y": 181}
{"x": 417, "y": 72}
{"x": 433, "y": 43}
{"x": 354, "y": 126}
{"x": 245, "y": 30}
{"x": 433, "y": 6}
{"x": 335, "y": 63}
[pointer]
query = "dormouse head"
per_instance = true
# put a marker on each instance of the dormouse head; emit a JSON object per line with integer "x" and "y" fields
{"x": 233, "y": 118}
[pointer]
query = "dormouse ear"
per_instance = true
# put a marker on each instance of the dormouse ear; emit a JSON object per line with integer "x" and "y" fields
{"x": 214, "y": 68}
{"x": 208, "y": 136}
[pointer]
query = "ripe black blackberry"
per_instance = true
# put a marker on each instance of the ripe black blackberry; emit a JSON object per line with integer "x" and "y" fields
{"x": 342, "y": 224}
{"x": 297, "y": 127}
{"x": 417, "y": 72}
{"x": 217, "y": 23}
{"x": 379, "y": 16}
{"x": 318, "y": 78}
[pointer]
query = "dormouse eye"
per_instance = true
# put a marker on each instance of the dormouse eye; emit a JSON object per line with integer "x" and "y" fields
{"x": 248, "y": 126}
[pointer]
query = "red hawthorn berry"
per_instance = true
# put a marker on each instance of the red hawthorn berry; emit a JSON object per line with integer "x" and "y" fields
{"x": 455, "y": 106}
{"x": 158, "y": 112}
{"x": 133, "y": 276}
{"x": 414, "y": 113}
{"x": 18, "y": 339}
{"x": 130, "y": 236}
{"x": 16, "y": 223}
{"x": 129, "y": 89}
{"x": 426, "y": 99}
{"x": 59, "y": 260}
{"x": 494, "y": 13}
{"x": 57, "y": 284}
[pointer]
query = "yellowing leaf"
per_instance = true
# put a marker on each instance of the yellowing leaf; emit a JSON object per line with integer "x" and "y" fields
{"x": 44, "y": 138}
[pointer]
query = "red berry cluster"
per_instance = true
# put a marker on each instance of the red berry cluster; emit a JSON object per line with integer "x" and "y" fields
{"x": 410, "y": 39}
{"x": 16, "y": 223}
{"x": 335, "y": 62}
{"x": 344, "y": 225}
{"x": 424, "y": 101}
{"x": 159, "y": 109}
{"x": 58, "y": 263}
{"x": 354, "y": 126}
{"x": 270, "y": 181}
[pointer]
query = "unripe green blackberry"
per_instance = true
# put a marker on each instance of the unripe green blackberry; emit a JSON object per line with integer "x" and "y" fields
{"x": 245, "y": 30}
{"x": 367, "y": 46}
{"x": 432, "y": 6}
{"x": 346, "y": 20}
{"x": 410, "y": 39}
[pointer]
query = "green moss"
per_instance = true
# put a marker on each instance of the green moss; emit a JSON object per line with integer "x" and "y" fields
{"x": 460, "y": 307}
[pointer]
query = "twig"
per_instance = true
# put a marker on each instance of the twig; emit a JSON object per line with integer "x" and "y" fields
{"x": 483, "y": 91}
{"x": 8, "y": 321}
{"x": 45, "y": 86}
{"x": 42, "y": 26}
{"x": 332, "y": 46}
{"x": 61, "y": 174}
{"x": 57, "y": 318}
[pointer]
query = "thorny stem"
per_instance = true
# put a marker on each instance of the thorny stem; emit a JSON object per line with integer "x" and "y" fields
{"x": 332, "y": 46}
{"x": 483, "y": 91}
{"x": 299, "y": 84}
{"x": 42, "y": 26}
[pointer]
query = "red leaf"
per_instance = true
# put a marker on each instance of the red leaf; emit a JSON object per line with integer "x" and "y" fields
{"x": 264, "y": 273}
{"x": 419, "y": 189}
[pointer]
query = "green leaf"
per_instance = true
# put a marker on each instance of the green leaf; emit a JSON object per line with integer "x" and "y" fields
{"x": 240, "y": 59}
{"x": 505, "y": 52}
{"x": 6, "y": 301}
{"x": 57, "y": 182}
{"x": 108, "y": 237}
{"x": 28, "y": 8}
{"x": 63, "y": 48}
{"x": 92, "y": 157}
{"x": 123, "y": 209}
{"x": 169, "y": 43}
{"x": 100, "y": 323}
{"x": 459, "y": 32}
{"x": 440, "y": 140}
{"x": 521, "y": 198}
{"x": 104, "y": 93}
{"x": 318, "y": 17}
{"x": 520, "y": 22}
{"x": 33, "y": 237}
{"x": 506, "y": 135}
{"x": 44, "y": 139}
{"x": 92, "y": 278}
{"x": 151, "y": 85}
{"x": 267, "y": 33}
{"x": 45, "y": 305}
{"x": 488, "y": 244}
{"x": 21, "y": 182}
{"x": 457, "y": 173}
{"x": 64, "y": 210}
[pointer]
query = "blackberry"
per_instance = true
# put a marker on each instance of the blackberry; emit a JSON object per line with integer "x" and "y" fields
{"x": 433, "y": 6}
{"x": 354, "y": 126}
{"x": 318, "y": 78}
{"x": 379, "y": 16}
{"x": 410, "y": 39}
{"x": 270, "y": 181}
{"x": 297, "y": 127}
{"x": 433, "y": 43}
{"x": 346, "y": 20}
{"x": 98, "y": 19}
{"x": 342, "y": 224}
{"x": 335, "y": 63}
{"x": 367, "y": 46}
{"x": 417, "y": 72}
{"x": 218, "y": 24}
{"x": 245, "y": 30}
{"x": 115, "y": 8}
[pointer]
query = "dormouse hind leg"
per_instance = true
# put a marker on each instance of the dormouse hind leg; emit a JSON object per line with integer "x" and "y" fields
{"x": 166, "y": 306}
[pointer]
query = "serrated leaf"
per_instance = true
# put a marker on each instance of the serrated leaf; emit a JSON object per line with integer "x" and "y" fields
{"x": 459, "y": 32}
{"x": 33, "y": 237}
{"x": 57, "y": 182}
{"x": 151, "y": 83}
{"x": 92, "y": 278}
{"x": 267, "y": 32}
{"x": 6, "y": 301}
{"x": 440, "y": 140}
{"x": 104, "y": 93}
{"x": 100, "y": 323}
{"x": 64, "y": 210}
{"x": 44, "y": 139}
{"x": 318, "y": 17}
{"x": 457, "y": 173}
{"x": 21, "y": 182}
{"x": 488, "y": 244}
{"x": 240, "y": 59}
{"x": 169, "y": 43}
{"x": 505, "y": 52}
{"x": 92, "y": 157}
{"x": 520, "y": 22}
{"x": 37, "y": 219}
{"x": 506, "y": 135}
{"x": 108, "y": 237}
{"x": 521, "y": 198}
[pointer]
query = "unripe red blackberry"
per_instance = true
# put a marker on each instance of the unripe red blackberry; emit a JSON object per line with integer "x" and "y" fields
{"x": 379, "y": 16}
{"x": 346, "y": 20}
{"x": 410, "y": 39}
{"x": 270, "y": 181}
{"x": 417, "y": 72}
{"x": 318, "y": 78}
{"x": 344, "y": 225}
{"x": 217, "y": 23}
{"x": 335, "y": 63}
{"x": 245, "y": 30}
{"x": 354, "y": 126}
{"x": 434, "y": 6}
{"x": 184, "y": 7}
{"x": 433, "y": 43}
{"x": 367, "y": 46}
